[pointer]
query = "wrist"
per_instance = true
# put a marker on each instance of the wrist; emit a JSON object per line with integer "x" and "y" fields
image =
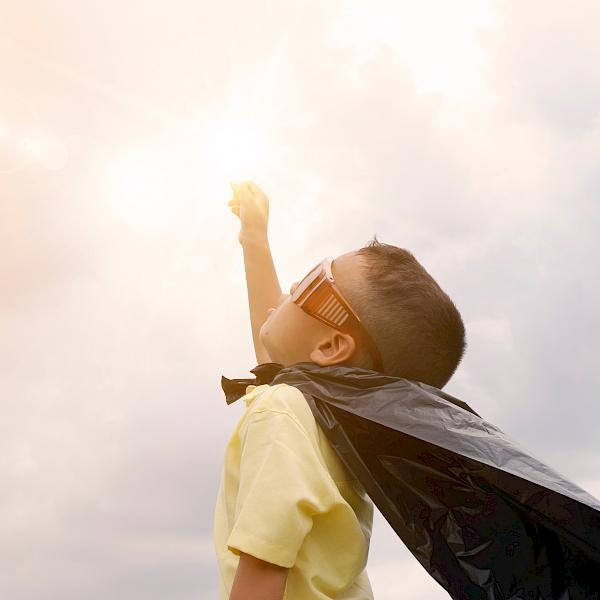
{"x": 254, "y": 240}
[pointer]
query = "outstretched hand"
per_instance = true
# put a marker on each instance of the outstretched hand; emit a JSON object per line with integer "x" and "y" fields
{"x": 251, "y": 205}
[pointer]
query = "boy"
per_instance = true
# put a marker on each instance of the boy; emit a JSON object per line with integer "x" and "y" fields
{"x": 290, "y": 521}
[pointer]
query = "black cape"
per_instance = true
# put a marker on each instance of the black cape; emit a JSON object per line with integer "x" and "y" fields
{"x": 486, "y": 519}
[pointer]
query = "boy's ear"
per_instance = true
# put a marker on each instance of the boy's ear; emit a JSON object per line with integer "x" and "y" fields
{"x": 337, "y": 347}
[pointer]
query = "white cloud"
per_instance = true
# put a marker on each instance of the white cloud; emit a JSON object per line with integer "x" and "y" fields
{"x": 469, "y": 136}
{"x": 394, "y": 580}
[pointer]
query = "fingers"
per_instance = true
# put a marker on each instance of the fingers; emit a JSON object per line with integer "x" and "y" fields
{"x": 254, "y": 188}
{"x": 241, "y": 188}
{"x": 233, "y": 202}
{"x": 248, "y": 185}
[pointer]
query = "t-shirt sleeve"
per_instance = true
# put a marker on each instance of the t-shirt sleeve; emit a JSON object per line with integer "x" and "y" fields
{"x": 283, "y": 485}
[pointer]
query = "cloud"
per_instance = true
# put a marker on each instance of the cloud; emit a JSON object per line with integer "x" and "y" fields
{"x": 546, "y": 59}
{"x": 393, "y": 570}
{"x": 114, "y": 336}
{"x": 394, "y": 580}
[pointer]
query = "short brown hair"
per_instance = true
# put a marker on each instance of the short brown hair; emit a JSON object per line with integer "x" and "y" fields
{"x": 416, "y": 326}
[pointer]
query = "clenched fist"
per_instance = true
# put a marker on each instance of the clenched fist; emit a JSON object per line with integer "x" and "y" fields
{"x": 251, "y": 205}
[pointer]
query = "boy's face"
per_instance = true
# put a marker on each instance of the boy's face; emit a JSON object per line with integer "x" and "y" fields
{"x": 290, "y": 335}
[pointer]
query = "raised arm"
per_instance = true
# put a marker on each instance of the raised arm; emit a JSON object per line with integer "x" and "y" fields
{"x": 251, "y": 205}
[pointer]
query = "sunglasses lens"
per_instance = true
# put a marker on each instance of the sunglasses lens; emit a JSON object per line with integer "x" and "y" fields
{"x": 306, "y": 282}
{"x": 331, "y": 310}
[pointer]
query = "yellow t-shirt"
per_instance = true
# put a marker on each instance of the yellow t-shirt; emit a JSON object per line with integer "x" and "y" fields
{"x": 286, "y": 498}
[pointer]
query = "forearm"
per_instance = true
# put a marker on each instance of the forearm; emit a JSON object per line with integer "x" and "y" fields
{"x": 263, "y": 287}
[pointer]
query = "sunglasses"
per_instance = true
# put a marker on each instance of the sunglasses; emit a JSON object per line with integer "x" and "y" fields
{"x": 318, "y": 295}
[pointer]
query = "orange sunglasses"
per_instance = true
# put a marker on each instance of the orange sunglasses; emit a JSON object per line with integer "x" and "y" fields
{"x": 318, "y": 295}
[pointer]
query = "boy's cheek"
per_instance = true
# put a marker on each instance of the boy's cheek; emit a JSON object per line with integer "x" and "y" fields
{"x": 268, "y": 330}
{"x": 275, "y": 329}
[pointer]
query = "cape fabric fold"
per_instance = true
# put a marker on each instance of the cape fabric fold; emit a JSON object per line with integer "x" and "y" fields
{"x": 482, "y": 516}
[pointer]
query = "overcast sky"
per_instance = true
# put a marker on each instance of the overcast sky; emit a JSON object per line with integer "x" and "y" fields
{"x": 465, "y": 131}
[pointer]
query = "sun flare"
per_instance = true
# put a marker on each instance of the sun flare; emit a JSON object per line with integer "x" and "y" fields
{"x": 237, "y": 149}
{"x": 149, "y": 186}
{"x": 138, "y": 190}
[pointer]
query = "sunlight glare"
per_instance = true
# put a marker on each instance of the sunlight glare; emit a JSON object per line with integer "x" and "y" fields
{"x": 137, "y": 191}
{"x": 198, "y": 157}
{"x": 31, "y": 147}
{"x": 234, "y": 145}
{"x": 239, "y": 149}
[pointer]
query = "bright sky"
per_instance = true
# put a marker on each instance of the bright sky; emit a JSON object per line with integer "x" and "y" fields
{"x": 467, "y": 132}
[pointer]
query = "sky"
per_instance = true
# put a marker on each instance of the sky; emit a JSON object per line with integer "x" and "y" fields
{"x": 467, "y": 132}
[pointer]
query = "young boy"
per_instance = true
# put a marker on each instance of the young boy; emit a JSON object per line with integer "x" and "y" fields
{"x": 290, "y": 521}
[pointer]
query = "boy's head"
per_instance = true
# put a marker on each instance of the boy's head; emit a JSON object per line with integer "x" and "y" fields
{"x": 416, "y": 327}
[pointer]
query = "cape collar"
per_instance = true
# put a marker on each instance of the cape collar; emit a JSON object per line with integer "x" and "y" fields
{"x": 236, "y": 388}
{"x": 352, "y": 377}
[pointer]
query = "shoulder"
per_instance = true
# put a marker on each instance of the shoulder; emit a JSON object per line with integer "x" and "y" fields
{"x": 284, "y": 398}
